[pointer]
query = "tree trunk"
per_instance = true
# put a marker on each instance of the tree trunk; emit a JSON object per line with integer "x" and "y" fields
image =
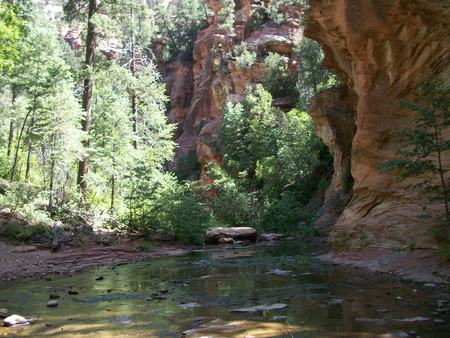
{"x": 11, "y": 125}
{"x": 113, "y": 192}
{"x": 10, "y": 138}
{"x": 27, "y": 171}
{"x": 16, "y": 155}
{"x": 52, "y": 179}
{"x": 83, "y": 165}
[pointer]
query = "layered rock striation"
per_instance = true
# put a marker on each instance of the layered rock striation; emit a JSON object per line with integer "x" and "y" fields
{"x": 381, "y": 50}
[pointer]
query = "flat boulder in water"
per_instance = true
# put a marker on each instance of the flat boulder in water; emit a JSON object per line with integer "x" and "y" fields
{"x": 213, "y": 235}
{"x": 259, "y": 308}
{"x": 15, "y": 320}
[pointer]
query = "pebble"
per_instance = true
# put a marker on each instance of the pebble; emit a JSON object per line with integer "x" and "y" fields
{"x": 439, "y": 321}
{"x": 429, "y": 285}
{"x": 398, "y": 298}
{"x": 53, "y": 296}
{"x": 412, "y": 333}
{"x": 52, "y": 303}
{"x": 100, "y": 278}
{"x": 72, "y": 292}
{"x": 3, "y": 313}
{"x": 382, "y": 310}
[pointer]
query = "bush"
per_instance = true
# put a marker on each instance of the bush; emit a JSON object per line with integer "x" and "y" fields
{"x": 26, "y": 233}
{"x": 169, "y": 207}
{"x": 231, "y": 204}
{"x": 287, "y": 215}
{"x": 245, "y": 58}
{"x": 278, "y": 80}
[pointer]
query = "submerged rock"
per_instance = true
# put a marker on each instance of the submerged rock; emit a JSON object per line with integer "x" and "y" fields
{"x": 52, "y": 303}
{"x": 413, "y": 319}
{"x": 278, "y": 272}
{"x": 270, "y": 237}
{"x": 15, "y": 320}
{"x": 259, "y": 308}
{"x": 214, "y": 235}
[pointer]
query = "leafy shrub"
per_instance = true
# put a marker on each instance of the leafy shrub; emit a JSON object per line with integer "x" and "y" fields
{"x": 287, "y": 215}
{"x": 245, "y": 58}
{"x": 24, "y": 232}
{"x": 278, "y": 80}
{"x": 231, "y": 204}
{"x": 165, "y": 206}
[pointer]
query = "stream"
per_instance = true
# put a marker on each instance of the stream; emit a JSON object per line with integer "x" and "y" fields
{"x": 261, "y": 290}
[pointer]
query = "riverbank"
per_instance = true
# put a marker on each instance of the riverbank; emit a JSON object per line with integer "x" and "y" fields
{"x": 18, "y": 262}
{"x": 420, "y": 265}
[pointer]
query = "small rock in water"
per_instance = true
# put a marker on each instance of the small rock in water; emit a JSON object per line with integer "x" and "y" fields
{"x": 189, "y": 305}
{"x": 15, "y": 320}
{"x": 3, "y": 313}
{"x": 100, "y": 278}
{"x": 382, "y": 310}
{"x": 52, "y": 303}
{"x": 270, "y": 237}
{"x": 439, "y": 321}
{"x": 278, "y": 272}
{"x": 226, "y": 240}
{"x": 370, "y": 320}
{"x": 53, "y": 296}
{"x": 48, "y": 324}
{"x": 258, "y": 308}
{"x": 429, "y": 285}
{"x": 73, "y": 292}
{"x": 398, "y": 298}
{"x": 335, "y": 301}
{"x": 412, "y": 333}
{"x": 413, "y": 319}
{"x": 442, "y": 302}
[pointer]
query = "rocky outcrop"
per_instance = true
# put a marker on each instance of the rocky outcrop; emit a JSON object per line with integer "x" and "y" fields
{"x": 382, "y": 50}
{"x": 334, "y": 123}
{"x": 216, "y": 78}
{"x": 216, "y": 234}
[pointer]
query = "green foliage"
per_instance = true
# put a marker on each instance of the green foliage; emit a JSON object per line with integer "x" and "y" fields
{"x": 165, "y": 206}
{"x": 278, "y": 79}
{"x": 187, "y": 166}
{"x": 421, "y": 148}
{"x": 178, "y": 24}
{"x": 231, "y": 204}
{"x": 245, "y": 58}
{"x": 226, "y": 15}
{"x": 269, "y": 161}
{"x": 312, "y": 77}
{"x": 12, "y": 29}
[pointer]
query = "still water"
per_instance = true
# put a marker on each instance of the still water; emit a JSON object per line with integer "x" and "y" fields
{"x": 197, "y": 295}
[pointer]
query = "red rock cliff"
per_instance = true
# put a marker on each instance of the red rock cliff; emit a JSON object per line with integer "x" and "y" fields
{"x": 381, "y": 49}
{"x": 215, "y": 79}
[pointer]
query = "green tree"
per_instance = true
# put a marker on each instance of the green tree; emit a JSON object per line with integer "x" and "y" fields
{"x": 12, "y": 29}
{"x": 312, "y": 77}
{"x": 422, "y": 148}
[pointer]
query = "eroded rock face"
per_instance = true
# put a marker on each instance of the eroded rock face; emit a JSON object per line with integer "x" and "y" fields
{"x": 382, "y": 50}
{"x": 215, "y": 78}
{"x": 334, "y": 123}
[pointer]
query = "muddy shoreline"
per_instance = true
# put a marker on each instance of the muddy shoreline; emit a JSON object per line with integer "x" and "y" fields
{"x": 19, "y": 262}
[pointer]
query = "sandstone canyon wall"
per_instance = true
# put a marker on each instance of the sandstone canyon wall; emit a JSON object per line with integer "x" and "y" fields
{"x": 199, "y": 89}
{"x": 381, "y": 49}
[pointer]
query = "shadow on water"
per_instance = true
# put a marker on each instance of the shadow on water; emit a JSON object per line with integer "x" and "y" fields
{"x": 222, "y": 292}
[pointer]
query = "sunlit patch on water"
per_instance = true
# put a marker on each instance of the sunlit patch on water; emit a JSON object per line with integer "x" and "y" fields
{"x": 279, "y": 290}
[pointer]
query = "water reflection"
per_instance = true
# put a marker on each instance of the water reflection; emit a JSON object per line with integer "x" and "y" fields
{"x": 194, "y": 294}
